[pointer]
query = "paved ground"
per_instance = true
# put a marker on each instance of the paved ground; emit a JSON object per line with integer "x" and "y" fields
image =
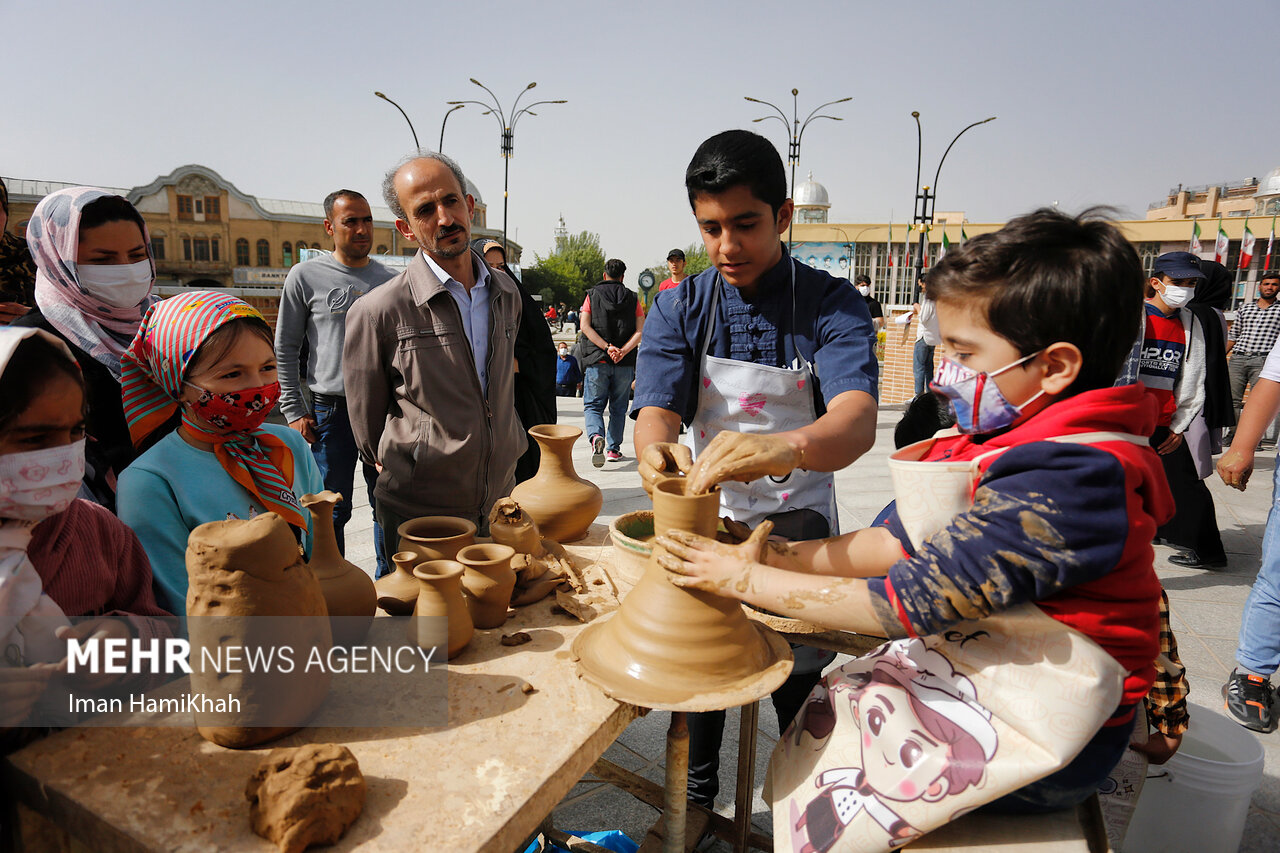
{"x": 1206, "y": 613}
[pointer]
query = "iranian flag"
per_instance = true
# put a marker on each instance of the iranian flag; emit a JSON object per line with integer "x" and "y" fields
{"x": 964, "y": 238}
{"x": 1195, "y": 248}
{"x": 888, "y": 243}
{"x": 925, "y": 260}
{"x": 906, "y": 247}
{"x": 1266, "y": 264}
{"x": 946, "y": 245}
{"x": 1221, "y": 245}
{"x": 1246, "y": 246}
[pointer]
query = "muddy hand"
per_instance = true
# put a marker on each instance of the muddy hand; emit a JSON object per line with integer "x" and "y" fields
{"x": 734, "y": 533}
{"x": 696, "y": 562}
{"x": 743, "y": 457}
{"x": 661, "y": 460}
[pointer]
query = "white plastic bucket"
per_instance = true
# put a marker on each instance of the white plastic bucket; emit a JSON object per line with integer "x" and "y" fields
{"x": 1199, "y": 800}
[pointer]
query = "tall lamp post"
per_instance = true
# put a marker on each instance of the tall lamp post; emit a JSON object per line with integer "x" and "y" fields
{"x": 926, "y": 201}
{"x": 508, "y": 136}
{"x": 445, "y": 121}
{"x": 416, "y": 146}
{"x": 795, "y": 132}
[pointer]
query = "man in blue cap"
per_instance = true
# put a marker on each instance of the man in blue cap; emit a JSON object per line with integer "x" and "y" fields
{"x": 1172, "y": 366}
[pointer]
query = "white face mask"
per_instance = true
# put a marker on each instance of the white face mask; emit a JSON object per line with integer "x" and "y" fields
{"x": 864, "y": 289}
{"x": 121, "y": 285}
{"x": 1175, "y": 296}
{"x": 36, "y": 484}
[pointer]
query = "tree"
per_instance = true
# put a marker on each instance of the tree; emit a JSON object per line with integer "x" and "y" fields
{"x": 583, "y": 251}
{"x": 695, "y": 261}
{"x": 576, "y": 264}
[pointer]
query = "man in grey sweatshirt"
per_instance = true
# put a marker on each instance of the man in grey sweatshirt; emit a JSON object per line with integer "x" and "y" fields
{"x": 313, "y": 309}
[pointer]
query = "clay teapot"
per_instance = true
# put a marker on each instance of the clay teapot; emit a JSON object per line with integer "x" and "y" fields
{"x": 398, "y": 590}
{"x": 561, "y": 503}
{"x": 440, "y": 616}
{"x": 436, "y": 537}
{"x": 488, "y": 582}
{"x": 348, "y": 591}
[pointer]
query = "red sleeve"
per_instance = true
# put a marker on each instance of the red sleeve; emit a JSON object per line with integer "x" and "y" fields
{"x": 639, "y": 309}
{"x": 586, "y": 306}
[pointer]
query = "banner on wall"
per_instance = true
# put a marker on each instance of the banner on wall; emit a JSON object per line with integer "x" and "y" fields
{"x": 830, "y": 257}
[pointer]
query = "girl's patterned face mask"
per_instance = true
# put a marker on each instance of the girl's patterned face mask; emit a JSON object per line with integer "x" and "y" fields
{"x": 236, "y": 411}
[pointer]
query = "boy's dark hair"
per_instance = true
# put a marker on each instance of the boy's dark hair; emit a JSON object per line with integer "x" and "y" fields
{"x": 333, "y": 197}
{"x": 615, "y": 269}
{"x": 109, "y": 208}
{"x": 1047, "y": 277}
{"x": 862, "y": 278}
{"x": 738, "y": 157}
{"x": 34, "y": 363}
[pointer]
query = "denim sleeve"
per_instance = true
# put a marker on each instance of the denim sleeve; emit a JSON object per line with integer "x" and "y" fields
{"x": 667, "y": 364}
{"x": 845, "y": 357}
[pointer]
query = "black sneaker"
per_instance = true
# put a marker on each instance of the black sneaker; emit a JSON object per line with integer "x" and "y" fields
{"x": 1249, "y": 699}
{"x": 597, "y": 451}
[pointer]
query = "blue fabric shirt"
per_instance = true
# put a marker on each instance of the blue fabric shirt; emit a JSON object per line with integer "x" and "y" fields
{"x": 173, "y": 488}
{"x": 831, "y": 324}
{"x": 474, "y": 307}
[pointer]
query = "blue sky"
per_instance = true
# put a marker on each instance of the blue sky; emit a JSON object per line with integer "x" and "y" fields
{"x": 1098, "y": 102}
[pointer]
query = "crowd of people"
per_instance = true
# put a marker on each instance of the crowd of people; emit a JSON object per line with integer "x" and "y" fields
{"x": 1088, "y": 396}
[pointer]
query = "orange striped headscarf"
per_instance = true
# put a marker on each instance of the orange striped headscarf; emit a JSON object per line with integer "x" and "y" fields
{"x": 153, "y": 369}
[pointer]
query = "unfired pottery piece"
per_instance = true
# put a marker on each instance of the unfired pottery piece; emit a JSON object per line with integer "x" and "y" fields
{"x": 510, "y": 525}
{"x": 676, "y": 649}
{"x": 398, "y": 590}
{"x": 436, "y": 537}
{"x": 307, "y": 795}
{"x": 348, "y": 592}
{"x": 632, "y": 537}
{"x": 561, "y": 503}
{"x": 240, "y": 573}
{"x": 488, "y": 582}
{"x": 441, "y": 617}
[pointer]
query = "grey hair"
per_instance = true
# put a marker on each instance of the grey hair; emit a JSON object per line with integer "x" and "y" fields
{"x": 389, "y": 179}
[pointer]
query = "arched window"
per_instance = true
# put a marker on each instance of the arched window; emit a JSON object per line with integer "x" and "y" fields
{"x": 288, "y": 253}
{"x": 382, "y": 250}
{"x": 242, "y": 252}
{"x": 264, "y": 253}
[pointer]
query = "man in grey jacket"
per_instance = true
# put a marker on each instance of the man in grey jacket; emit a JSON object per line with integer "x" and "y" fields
{"x": 313, "y": 310}
{"x": 430, "y": 361}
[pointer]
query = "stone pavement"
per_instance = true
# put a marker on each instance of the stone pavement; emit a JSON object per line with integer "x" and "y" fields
{"x": 1206, "y": 609}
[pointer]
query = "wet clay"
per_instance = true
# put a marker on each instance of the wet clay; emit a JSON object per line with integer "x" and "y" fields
{"x": 631, "y": 535}
{"x": 239, "y": 573}
{"x": 436, "y": 537}
{"x": 678, "y": 649}
{"x": 540, "y": 564}
{"x": 398, "y": 590}
{"x": 488, "y": 582}
{"x": 348, "y": 592}
{"x": 441, "y": 618}
{"x": 304, "y": 796}
{"x": 510, "y": 525}
{"x": 561, "y": 503}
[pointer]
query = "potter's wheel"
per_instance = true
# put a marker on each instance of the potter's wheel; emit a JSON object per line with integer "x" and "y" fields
{"x": 645, "y": 687}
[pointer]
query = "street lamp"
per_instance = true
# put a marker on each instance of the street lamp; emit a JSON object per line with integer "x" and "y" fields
{"x": 508, "y": 136}
{"x": 926, "y": 202}
{"x": 445, "y": 121}
{"x": 416, "y": 146}
{"x": 795, "y": 132}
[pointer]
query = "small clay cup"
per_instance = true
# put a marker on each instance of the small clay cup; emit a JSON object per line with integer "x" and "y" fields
{"x": 440, "y": 616}
{"x": 436, "y": 537}
{"x": 398, "y": 591}
{"x": 488, "y": 582}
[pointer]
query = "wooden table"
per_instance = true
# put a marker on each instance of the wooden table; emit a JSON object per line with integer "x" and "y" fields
{"x": 482, "y": 783}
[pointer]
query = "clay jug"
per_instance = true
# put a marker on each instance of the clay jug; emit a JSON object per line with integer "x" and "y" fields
{"x": 440, "y": 617}
{"x": 488, "y": 582}
{"x": 348, "y": 591}
{"x": 436, "y": 537}
{"x": 561, "y": 503}
{"x": 398, "y": 590}
{"x": 249, "y": 587}
{"x": 678, "y": 649}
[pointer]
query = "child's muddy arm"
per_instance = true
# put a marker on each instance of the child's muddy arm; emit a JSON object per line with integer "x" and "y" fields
{"x": 864, "y": 553}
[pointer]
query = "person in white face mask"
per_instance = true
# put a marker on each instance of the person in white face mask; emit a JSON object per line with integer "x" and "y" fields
{"x": 94, "y": 282}
{"x": 863, "y": 283}
{"x": 1172, "y": 367}
{"x": 67, "y": 567}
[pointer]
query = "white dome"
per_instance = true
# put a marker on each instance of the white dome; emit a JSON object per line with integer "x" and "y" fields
{"x": 812, "y": 194}
{"x": 1270, "y": 185}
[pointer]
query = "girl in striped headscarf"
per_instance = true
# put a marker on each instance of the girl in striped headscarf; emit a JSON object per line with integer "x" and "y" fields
{"x": 204, "y": 360}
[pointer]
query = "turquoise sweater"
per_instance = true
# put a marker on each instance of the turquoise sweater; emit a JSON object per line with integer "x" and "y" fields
{"x": 174, "y": 487}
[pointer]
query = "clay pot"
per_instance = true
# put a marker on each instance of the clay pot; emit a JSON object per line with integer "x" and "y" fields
{"x": 398, "y": 590}
{"x": 678, "y": 649}
{"x": 348, "y": 591}
{"x": 436, "y": 537}
{"x": 561, "y": 503}
{"x": 510, "y": 525}
{"x": 632, "y": 535}
{"x": 488, "y": 582}
{"x": 249, "y": 587}
{"x": 440, "y": 617}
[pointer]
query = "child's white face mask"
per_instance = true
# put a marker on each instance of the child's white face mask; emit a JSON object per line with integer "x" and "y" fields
{"x": 36, "y": 484}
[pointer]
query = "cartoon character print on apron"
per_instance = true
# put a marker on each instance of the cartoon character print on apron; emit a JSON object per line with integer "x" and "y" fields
{"x": 740, "y": 396}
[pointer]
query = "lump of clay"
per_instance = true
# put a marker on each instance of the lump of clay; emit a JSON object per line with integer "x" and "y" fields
{"x": 304, "y": 796}
{"x": 250, "y": 590}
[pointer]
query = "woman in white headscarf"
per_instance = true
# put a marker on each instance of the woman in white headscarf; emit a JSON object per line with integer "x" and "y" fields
{"x": 94, "y": 282}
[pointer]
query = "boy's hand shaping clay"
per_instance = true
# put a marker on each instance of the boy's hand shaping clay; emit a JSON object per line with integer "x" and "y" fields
{"x": 696, "y": 562}
{"x": 661, "y": 460}
{"x": 743, "y": 457}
